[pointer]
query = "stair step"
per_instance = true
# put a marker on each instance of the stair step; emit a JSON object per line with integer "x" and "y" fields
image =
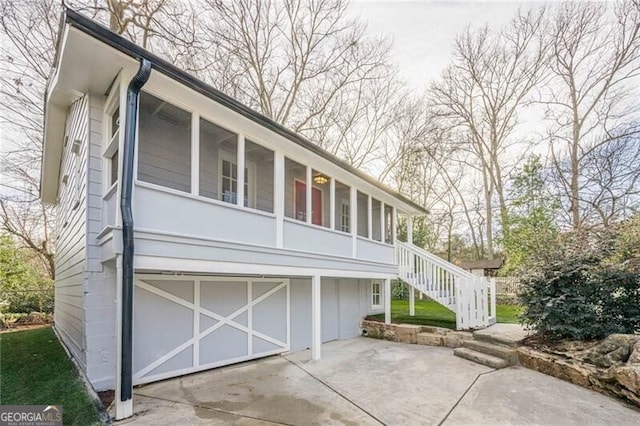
{"x": 507, "y": 353}
{"x": 496, "y": 339}
{"x": 431, "y": 339}
{"x": 481, "y": 358}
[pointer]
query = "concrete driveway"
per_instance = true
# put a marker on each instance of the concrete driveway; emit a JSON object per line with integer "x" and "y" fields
{"x": 367, "y": 381}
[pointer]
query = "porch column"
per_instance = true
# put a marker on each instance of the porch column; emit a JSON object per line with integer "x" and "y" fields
{"x": 241, "y": 176}
{"x": 332, "y": 203}
{"x": 124, "y": 409}
{"x": 316, "y": 319}
{"x": 394, "y": 221}
{"x": 278, "y": 197}
{"x": 409, "y": 229}
{"x": 309, "y": 207}
{"x": 383, "y": 235}
{"x": 387, "y": 301}
{"x": 412, "y": 302}
{"x": 369, "y": 217}
{"x": 195, "y": 154}
{"x": 353, "y": 205}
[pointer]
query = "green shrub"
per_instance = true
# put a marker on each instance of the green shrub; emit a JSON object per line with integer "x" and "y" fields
{"x": 575, "y": 295}
{"x": 23, "y": 288}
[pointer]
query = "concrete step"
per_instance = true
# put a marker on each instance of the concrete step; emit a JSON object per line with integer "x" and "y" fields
{"x": 481, "y": 358}
{"x": 431, "y": 339}
{"x": 505, "y": 352}
{"x": 502, "y": 334}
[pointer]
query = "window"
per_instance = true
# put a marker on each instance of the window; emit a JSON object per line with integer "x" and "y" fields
{"x": 164, "y": 144}
{"x": 229, "y": 180}
{"x": 345, "y": 217}
{"x": 376, "y": 294}
{"x": 113, "y": 141}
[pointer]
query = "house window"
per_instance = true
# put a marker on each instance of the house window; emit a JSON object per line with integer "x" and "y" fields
{"x": 376, "y": 294}
{"x": 113, "y": 142}
{"x": 345, "y": 216}
{"x": 229, "y": 181}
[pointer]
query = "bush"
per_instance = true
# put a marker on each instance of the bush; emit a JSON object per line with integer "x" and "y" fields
{"x": 23, "y": 288}
{"x": 579, "y": 294}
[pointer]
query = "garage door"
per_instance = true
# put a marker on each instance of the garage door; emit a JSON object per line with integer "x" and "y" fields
{"x": 183, "y": 325}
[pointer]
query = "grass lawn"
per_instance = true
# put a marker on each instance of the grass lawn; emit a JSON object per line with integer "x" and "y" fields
{"x": 429, "y": 312}
{"x": 34, "y": 369}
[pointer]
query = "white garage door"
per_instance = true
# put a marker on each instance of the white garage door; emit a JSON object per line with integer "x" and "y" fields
{"x": 183, "y": 325}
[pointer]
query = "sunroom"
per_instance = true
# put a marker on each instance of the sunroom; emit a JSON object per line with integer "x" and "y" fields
{"x": 201, "y": 174}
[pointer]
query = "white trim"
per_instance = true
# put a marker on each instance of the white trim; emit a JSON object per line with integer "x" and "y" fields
{"x": 309, "y": 197}
{"x": 383, "y": 234}
{"x": 387, "y": 301}
{"x": 279, "y": 195}
{"x": 180, "y": 238}
{"x": 316, "y": 318}
{"x": 192, "y": 266}
{"x": 354, "y": 221}
{"x": 332, "y": 203}
{"x": 195, "y": 153}
{"x": 394, "y": 225}
{"x": 369, "y": 217}
{"x": 410, "y": 229}
{"x": 240, "y": 177}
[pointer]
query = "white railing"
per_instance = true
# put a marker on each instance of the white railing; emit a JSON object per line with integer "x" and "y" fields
{"x": 471, "y": 297}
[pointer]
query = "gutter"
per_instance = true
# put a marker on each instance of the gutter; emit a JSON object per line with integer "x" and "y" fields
{"x": 130, "y": 129}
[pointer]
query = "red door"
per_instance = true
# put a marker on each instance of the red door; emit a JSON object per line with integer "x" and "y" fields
{"x": 301, "y": 203}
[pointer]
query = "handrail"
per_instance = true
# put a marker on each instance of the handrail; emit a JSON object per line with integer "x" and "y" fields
{"x": 435, "y": 259}
{"x": 461, "y": 291}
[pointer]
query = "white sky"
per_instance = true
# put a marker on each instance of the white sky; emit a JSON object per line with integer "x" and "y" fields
{"x": 423, "y": 32}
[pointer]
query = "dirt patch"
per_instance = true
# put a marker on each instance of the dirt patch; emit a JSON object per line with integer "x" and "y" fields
{"x": 107, "y": 397}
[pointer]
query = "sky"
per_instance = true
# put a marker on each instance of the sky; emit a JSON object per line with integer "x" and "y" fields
{"x": 423, "y": 32}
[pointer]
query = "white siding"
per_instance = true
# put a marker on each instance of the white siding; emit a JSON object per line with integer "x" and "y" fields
{"x": 100, "y": 280}
{"x": 70, "y": 244}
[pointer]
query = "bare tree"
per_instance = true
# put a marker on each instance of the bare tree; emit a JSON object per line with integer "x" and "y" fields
{"x": 29, "y": 31}
{"x": 305, "y": 66}
{"x": 592, "y": 106}
{"x": 480, "y": 95}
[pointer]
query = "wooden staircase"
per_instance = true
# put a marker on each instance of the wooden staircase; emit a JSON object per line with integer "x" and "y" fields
{"x": 470, "y": 297}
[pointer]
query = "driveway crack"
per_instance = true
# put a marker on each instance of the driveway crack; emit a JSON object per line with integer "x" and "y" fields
{"x": 337, "y": 392}
{"x": 463, "y": 395}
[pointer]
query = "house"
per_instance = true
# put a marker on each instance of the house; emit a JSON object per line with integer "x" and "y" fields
{"x": 194, "y": 232}
{"x": 482, "y": 267}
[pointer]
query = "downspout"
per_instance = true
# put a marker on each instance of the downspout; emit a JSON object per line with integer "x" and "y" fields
{"x": 130, "y": 129}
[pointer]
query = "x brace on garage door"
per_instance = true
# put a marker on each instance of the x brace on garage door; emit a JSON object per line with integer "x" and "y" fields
{"x": 184, "y": 324}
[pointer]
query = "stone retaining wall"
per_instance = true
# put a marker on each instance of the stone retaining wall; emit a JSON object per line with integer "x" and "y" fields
{"x": 611, "y": 366}
{"x": 414, "y": 334}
